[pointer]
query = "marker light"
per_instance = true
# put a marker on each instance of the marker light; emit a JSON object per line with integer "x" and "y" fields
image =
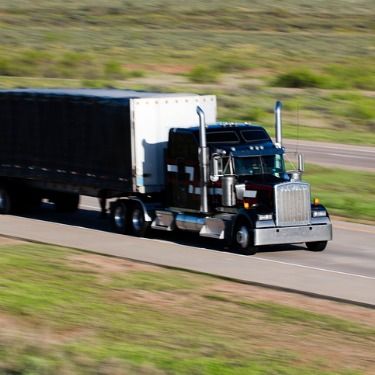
{"x": 316, "y": 201}
{"x": 246, "y": 205}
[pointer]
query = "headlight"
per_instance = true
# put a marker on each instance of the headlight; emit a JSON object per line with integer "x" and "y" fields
{"x": 320, "y": 213}
{"x": 265, "y": 217}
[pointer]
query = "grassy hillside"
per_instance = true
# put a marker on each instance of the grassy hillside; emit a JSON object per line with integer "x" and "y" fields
{"x": 315, "y": 56}
{"x": 67, "y": 312}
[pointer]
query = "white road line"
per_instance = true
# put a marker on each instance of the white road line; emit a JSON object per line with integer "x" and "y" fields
{"x": 269, "y": 260}
{"x": 315, "y": 268}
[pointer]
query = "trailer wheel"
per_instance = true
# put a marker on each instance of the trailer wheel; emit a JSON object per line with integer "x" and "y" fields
{"x": 243, "y": 239}
{"x": 5, "y": 202}
{"x": 66, "y": 202}
{"x": 29, "y": 201}
{"x": 119, "y": 217}
{"x": 138, "y": 224}
{"x": 316, "y": 246}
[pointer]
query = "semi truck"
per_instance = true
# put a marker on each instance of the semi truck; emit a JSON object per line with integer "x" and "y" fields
{"x": 164, "y": 162}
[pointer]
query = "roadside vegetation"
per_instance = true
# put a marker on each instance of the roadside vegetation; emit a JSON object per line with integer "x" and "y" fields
{"x": 67, "y": 312}
{"x": 315, "y": 57}
{"x": 345, "y": 193}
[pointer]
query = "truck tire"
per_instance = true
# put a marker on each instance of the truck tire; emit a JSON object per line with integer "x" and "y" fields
{"x": 316, "y": 246}
{"x": 5, "y": 201}
{"x": 243, "y": 239}
{"x": 66, "y": 202}
{"x": 138, "y": 224}
{"x": 15, "y": 199}
{"x": 119, "y": 217}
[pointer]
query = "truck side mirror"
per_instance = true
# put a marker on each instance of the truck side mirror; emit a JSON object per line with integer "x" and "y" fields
{"x": 301, "y": 163}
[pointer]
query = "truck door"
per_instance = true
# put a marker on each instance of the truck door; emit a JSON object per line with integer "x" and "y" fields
{"x": 182, "y": 171}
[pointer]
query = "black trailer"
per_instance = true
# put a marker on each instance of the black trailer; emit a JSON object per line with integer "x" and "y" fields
{"x": 60, "y": 143}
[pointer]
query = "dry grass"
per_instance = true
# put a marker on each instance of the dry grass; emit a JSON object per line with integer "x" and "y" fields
{"x": 111, "y": 316}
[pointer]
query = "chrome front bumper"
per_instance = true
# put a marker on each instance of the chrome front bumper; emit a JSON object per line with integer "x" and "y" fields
{"x": 297, "y": 234}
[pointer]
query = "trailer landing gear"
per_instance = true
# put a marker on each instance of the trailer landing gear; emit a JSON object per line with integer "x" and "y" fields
{"x": 103, "y": 207}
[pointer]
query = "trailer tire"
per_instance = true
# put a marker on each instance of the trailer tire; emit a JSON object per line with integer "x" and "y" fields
{"x": 29, "y": 200}
{"x": 138, "y": 224}
{"x": 119, "y": 217}
{"x": 316, "y": 246}
{"x": 5, "y": 201}
{"x": 243, "y": 238}
{"x": 66, "y": 202}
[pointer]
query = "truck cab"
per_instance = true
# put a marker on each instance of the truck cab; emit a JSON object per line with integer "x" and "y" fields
{"x": 251, "y": 200}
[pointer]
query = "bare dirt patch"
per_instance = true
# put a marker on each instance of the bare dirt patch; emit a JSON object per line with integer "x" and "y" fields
{"x": 9, "y": 241}
{"x": 179, "y": 303}
{"x": 103, "y": 264}
{"x": 321, "y": 306}
{"x": 106, "y": 265}
{"x": 21, "y": 328}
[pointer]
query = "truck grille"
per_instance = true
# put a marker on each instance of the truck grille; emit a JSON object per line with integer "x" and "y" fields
{"x": 292, "y": 204}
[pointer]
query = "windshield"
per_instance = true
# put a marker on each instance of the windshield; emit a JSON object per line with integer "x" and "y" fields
{"x": 258, "y": 165}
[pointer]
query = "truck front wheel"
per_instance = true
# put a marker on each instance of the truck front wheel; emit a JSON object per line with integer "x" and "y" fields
{"x": 243, "y": 239}
{"x": 316, "y": 246}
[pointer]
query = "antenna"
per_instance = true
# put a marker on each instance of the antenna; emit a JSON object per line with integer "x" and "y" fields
{"x": 297, "y": 145}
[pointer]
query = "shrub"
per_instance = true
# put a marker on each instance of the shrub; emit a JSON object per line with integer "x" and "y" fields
{"x": 299, "y": 79}
{"x": 114, "y": 70}
{"x": 5, "y": 67}
{"x": 136, "y": 73}
{"x": 360, "y": 76}
{"x": 96, "y": 84}
{"x": 253, "y": 114}
{"x": 203, "y": 74}
{"x": 231, "y": 63}
{"x": 354, "y": 106}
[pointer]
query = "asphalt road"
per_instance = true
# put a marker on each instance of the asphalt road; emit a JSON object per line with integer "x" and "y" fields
{"x": 345, "y": 270}
{"x": 334, "y": 155}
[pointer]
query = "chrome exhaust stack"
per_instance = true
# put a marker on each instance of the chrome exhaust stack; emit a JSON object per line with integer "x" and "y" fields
{"x": 278, "y": 126}
{"x": 203, "y": 161}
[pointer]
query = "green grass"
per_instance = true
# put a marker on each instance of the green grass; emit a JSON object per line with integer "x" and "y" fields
{"x": 354, "y": 75}
{"x": 238, "y": 50}
{"x": 203, "y": 74}
{"x": 345, "y": 193}
{"x": 277, "y": 313}
{"x": 66, "y": 312}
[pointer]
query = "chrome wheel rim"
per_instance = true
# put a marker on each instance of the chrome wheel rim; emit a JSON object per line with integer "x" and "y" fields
{"x": 2, "y": 200}
{"x": 137, "y": 219}
{"x": 119, "y": 217}
{"x": 242, "y": 237}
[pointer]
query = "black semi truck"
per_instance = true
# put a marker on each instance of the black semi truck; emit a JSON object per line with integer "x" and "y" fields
{"x": 159, "y": 161}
